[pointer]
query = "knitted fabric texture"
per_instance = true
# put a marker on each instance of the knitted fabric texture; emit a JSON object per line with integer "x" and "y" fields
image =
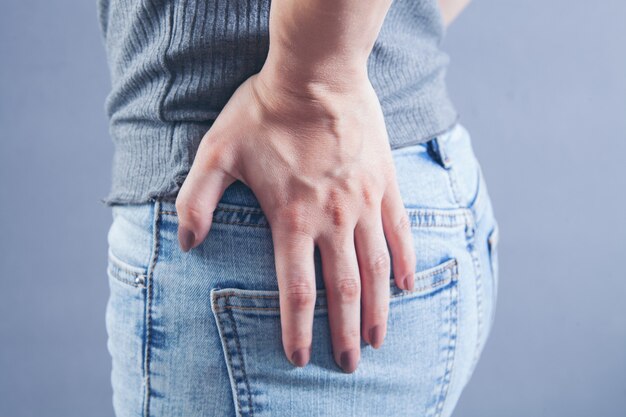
{"x": 175, "y": 63}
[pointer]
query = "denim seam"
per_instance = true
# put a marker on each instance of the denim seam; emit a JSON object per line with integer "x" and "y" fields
{"x": 249, "y": 210}
{"x": 471, "y": 246}
{"x": 323, "y": 307}
{"x": 454, "y": 298}
{"x": 116, "y": 268}
{"x": 417, "y": 211}
{"x": 454, "y": 187}
{"x": 430, "y": 274}
{"x": 476, "y": 208}
{"x": 260, "y": 226}
{"x": 243, "y": 366}
{"x": 137, "y": 284}
{"x": 452, "y": 266}
{"x": 149, "y": 289}
{"x": 414, "y": 218}
{"x": 227, "y": 350}
{"x": 470, "y": 227}
{"x": 404, "y": 292}
{"x": 469, "y": 237}
{"x": 414, "y": 223}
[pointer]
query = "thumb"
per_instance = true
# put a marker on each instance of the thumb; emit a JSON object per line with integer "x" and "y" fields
{"x": 198, "y": 197}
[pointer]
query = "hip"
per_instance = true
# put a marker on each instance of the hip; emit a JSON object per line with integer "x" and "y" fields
{"x": 198, "y": 333}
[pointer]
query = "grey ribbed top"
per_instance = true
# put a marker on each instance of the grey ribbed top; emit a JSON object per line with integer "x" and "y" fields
{"x": 175, "y": 64}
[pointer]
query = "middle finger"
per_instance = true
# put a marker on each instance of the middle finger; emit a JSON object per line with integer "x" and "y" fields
{"x": 375, "y": 270}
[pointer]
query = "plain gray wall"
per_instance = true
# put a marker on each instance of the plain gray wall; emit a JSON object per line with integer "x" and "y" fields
{"x": 540, "y": 85}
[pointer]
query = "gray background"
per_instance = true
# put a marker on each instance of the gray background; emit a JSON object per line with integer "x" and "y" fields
{"x": 540, "y": 85}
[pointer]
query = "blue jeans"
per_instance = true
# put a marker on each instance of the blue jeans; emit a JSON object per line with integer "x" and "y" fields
{"x": 198, "y": 333}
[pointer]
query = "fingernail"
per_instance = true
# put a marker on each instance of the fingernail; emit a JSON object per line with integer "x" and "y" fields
{"x": 349, "y": 361}
{"x": 300, "y": 357}
{"x": 409, "y": 282}
{"x": 376, "y": 336}
{"x": 186, "y": 238}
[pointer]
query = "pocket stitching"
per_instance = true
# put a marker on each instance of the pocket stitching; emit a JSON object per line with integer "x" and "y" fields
{"x": 227, "y": 327}
{"x": 449, "y": 367}
{"x": 235, "y": 373}
{"x": 419, "y": 217}
{"x": 117, "y": 268}
{"x": 449, "y": 265}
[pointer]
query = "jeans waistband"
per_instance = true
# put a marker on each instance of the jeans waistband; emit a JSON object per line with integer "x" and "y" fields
{"x": 451, "y": 151}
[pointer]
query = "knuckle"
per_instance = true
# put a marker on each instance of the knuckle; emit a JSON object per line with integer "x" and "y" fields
{"x": 338, "y": 214}
{"x": 188, "y": 210}
{"x": 347, "y": 337}
{"x": 335, "y": 208}
{"x": 211, "y": 154}
{"x": 295, "y": 218}
{"x": 367, "y": 197}
{"x": 300, "y": 295}
{"x": 403, "y": 225}
{"x": 348, "y": 289}
{"x": 378, "y": 264}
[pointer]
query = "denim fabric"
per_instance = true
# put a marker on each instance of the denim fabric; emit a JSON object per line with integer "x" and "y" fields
{"x": 198, "y": 333}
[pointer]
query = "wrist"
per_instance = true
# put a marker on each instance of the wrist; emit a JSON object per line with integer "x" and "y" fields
{"x": 304, "y": 76}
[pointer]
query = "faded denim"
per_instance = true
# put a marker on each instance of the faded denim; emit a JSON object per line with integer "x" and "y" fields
{"x": 198, "y": 333}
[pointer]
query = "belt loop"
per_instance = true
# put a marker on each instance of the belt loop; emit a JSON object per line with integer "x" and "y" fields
{"x": 437, "y": 147}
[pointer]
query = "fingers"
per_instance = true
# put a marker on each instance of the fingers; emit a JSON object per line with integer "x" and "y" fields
{"x": 198, "y": 197}
{"x": 398, "y": 233}
{"x": 374, "y": 267}
{"x": 295, "y": 270}
{"x": 343, "y": 289}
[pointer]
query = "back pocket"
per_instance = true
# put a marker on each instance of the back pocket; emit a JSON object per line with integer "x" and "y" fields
{"x": 411, "y": 370}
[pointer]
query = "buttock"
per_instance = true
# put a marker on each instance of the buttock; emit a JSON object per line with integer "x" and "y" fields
{"x": 198, "y": 333}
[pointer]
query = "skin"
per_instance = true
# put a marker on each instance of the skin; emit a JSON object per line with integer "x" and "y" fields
{"x": 307, "y": 135}
{"x": 450, "y": 9}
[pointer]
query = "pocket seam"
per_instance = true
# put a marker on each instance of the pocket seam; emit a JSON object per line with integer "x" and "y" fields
{"x": 236, "y": 371}
{"x": 225, "y": 295}
{"x": 124, "y": 272}
{"x": 451, "y": 265}
{"x": 244, "y": 396}
{"x": 452, "y": 352}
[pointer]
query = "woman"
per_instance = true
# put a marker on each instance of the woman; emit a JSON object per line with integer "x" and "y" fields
{"x": 299, "y": 222}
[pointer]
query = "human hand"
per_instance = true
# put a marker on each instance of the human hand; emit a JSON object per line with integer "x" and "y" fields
{"x": 318, "y": 160}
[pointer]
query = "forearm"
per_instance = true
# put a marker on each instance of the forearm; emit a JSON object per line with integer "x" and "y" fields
{"x": 325, "y": 41}
{"x": 450, "y": 9}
